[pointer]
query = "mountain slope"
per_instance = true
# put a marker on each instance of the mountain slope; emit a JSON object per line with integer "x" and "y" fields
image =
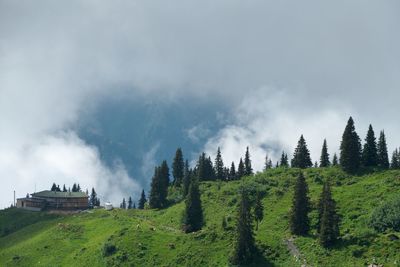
{"x": 153, "y": 238}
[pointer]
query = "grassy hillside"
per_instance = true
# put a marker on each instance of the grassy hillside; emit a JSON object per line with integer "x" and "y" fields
{"x": 153, "y": 238}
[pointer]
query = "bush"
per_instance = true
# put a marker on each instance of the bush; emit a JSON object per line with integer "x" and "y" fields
{"x": 387, "y": 216}
{"x": 109, "y": 249}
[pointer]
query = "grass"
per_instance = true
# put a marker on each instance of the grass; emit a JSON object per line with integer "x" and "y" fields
{"x": 154, "y": 237}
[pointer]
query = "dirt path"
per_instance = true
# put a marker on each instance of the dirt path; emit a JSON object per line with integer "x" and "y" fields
{"x": 295, "y": 252}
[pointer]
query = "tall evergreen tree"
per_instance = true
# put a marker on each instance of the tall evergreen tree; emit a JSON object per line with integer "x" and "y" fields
{"x": 350, "y": 149}
{"x": 248, "y": 170}
{"x": 324, "y": 160}
{"x": 240, "y": 172}
{"x": 130, "y": 203}
{"x": 178, "y": 167}
{"x": 268, "y": 163}
{"x": 186, "y": 178}
{"x": 284, "y": 160}
{"x": 93, "y": 199}
{"x": 299, "y": 222}
{"x": 134, "y": 205}
{"x": 53, "y": 187}
{"x": 74, "y": 188}
{"x": 370, "y": 151}
{"x": 155, "y": 200}
{"x": 383, "y": 157}
{"x": 123, "y": 204}
{"x": 258, "y": 210}
{"x": 328, "y": 218}
{"x": 244, "y": 248}
{"x": 142, "y": 200}
{"x": 301, "y": 156}
{"x": 64, "y": 188}
{"x": 335, "y": 161}
{"x": 205, "y": 170}
{"x": 232, "y": 172}
{"x": 219, "y": 166}
{"x": 164, "y": 178}
{"x": 193, "y": 216}
{"x": 395, "y": 159}
{"x": 78, "y": 188}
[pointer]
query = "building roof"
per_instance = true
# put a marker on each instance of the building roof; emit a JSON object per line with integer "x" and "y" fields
{"x": 54, "y": 194}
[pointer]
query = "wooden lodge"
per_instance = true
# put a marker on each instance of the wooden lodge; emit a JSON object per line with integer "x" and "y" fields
{"x": 53, "y": 200}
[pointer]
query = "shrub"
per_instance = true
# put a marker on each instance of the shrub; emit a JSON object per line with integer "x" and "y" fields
{"x": 387, "y": 216}
{"x": 109, "y": 249}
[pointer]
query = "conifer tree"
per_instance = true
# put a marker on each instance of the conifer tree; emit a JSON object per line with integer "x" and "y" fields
{"x": 186, "y": 178}
{"x": 328, "y": 218}
{"x": 258, "y": 210}
{"x": 241, "y": 171}
{"x": 395, "y": 160}
{"x": 53, "y": 187}
{"x": 130, "y": 203}
{"x": 248, "y": 170}
{"x": 299, "y": 222}
{"x": 316, "y": 164}
{"x": 232, "y": 172}
{"x": 219, "y": 166}
{"x": 370, "y": 152}
{"x": 268, "y": 163}
{"x": 383, "y": 157}
{"x": 284, "y": 160}
{"x": 205, "y": 170}
{"x": 350, "y": 149}
{"x": 93, "y": 199}
{"x": 164, "y": 178}
{"x": 134, "y": 205}
{"x": 244, "y": 248}
{"x": 142, "y": 200}
{"x": 335, "y": 161}
{"x": 74, "y": 188}
{"x": 64, "y": 188}
{"x": 193, "y": 216}
{"x": 178, "y": 167}
{"x": 301, "y": 156}
{"x": 155, "y": 201}
{"x": 78, "y": 188}
{"x": 226, "y": 173}
{"x": 123, "y": 204}
{"x": 324, "y": 160}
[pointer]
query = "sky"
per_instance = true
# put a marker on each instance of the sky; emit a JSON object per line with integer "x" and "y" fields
{"x": 277, "y": 69}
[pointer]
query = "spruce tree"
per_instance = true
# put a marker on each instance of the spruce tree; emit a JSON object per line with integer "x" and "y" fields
{"x": 383, "y": 157}
{"x": 324, "y": 160}
{"x": 74, "y": 188}
{"x": 241, "y": 171}
{"x": 130, "y": 203}
{"x": 395, "y": 160}
{"x": 155, "y": 190}
{"x": 370, "y": 151}
{"x": 134, "y": 205}
{"x": 244, "y": 247}
{"x": 232, "y": 172}
{"x": 284, "y": 160}
{"x": 299, "y": 222}
{"x": 123, "y": 204}
{"x": 193, "y": 216}
{"x": 178, "y": 167}
{"x": 142, "y": 200}
{"x": 258, "y": 210}
{"x": 186, "y": 178}
{"x": 219, "y": 166}
{"x": 93, "y": 199}
{"x": 78, "y": 188}
{"x": 64, "y": 188}
{"x": 328, "y": 218}
{"x": 350, "y": 149}
{"x": 53, "y": 187}
{"x": 248, "y": 170}
{"x": 268, "y": 163}
{"x": 301, "y": 156}
{"x": 335, "y": 161}
{"x": 205, "y": 170}
{"x": 164, "y": 179}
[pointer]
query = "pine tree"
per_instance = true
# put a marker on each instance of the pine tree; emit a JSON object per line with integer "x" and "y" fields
{"x": 64, "y": 188}
{"x": 130, "y": 203}
{"x": 123, "y": 204}
{"x": 219, "y": 166}
{"x": 78, "y": 188}
{"x": 258, "y": 210}
{"x": 93, "y": 199}
{"x": 370, "y": 152}
{"x": 240, "y": 172}
{"x": 164, "y": 178}
{"x": 53, "y": 187}
{"x": 383, "y": 157}
{"x": 301, "y": 156}
{"x": 155, "y": 190}
{"x": 284, "y": 160}
{"x": 205, "y": 170}
{"x": 395, "y": 160}
{"x": 178, "y": 168}
{"x": 268, "y": 163}
{"x": 232, "y": 172}
{"x": 142, "y": 200}
{"x": 74, "y": 188}
{"x": 134, "y": 205}
{"x": 244, "y": 248}
{"x": 193, "y": 216}
{"x": 335, "y": 161}
{"x": 328, "y": 218}
{"x": 186, "y": 178}
{"x": 324, "y": 160}
{"x": 299, "y": 222}
{"x": 226, "y": 173}
{"x": 350, "y": 149}
{"x": 248, "y": 170}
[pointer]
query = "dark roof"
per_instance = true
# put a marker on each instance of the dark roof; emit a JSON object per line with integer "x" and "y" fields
{"x": 54, "y": 194}
{"x": 31, "y": 199}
